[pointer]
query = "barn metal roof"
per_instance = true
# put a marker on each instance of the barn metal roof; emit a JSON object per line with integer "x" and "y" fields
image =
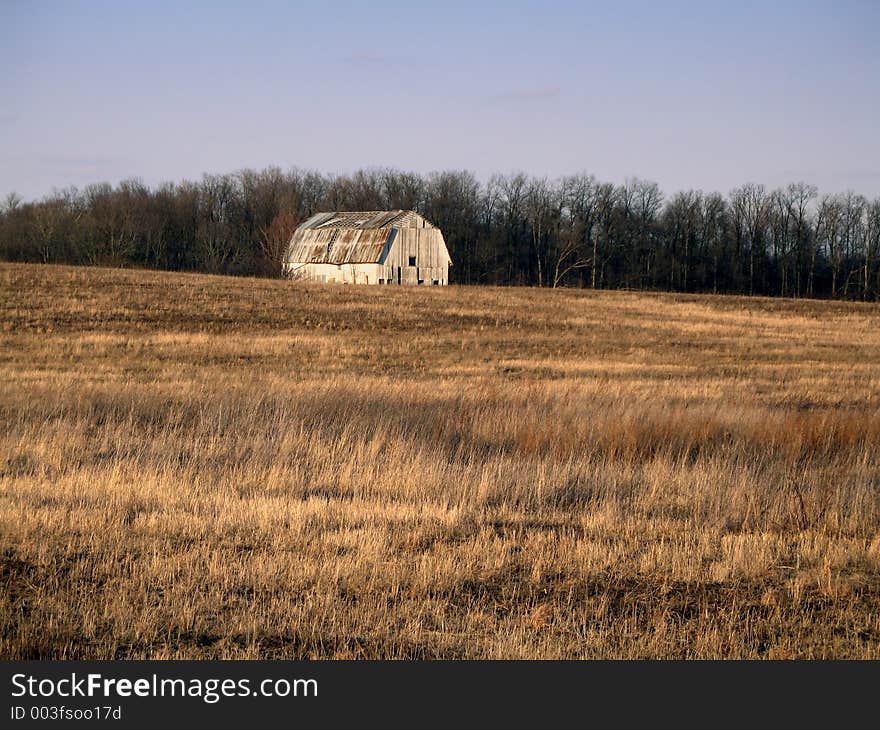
{"x": 340, "y": 245}
{"x": 367, "y": 219}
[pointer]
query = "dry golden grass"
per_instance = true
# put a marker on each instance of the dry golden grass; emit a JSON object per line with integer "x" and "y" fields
{"x": 198, "y": 466}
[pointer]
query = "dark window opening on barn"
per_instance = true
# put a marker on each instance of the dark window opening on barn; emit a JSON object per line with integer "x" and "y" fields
{"x": 381, "y": 281}
{"x": 436, "y": 282}
{"x": 398, "y": 275}
{"x": 412, "y": 260}
{"x": 421, "y": 281}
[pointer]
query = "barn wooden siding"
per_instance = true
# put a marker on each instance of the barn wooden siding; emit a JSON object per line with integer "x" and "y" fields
{"x": 427, "y": 247}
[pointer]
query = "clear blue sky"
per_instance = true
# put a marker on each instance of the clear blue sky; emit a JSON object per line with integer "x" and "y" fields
{"x": 701, "y": 94}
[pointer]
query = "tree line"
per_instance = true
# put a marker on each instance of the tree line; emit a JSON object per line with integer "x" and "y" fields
{"x": 514, "y": 229}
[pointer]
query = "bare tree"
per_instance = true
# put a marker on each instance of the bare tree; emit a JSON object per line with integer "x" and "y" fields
{"x": 452, "y": 200}
{"x": 10, "y": 203}
{"x": 275, "y": 237}
{"x": 512, "y": 197}
{"x": 541, "y": 209}
{"x": 576, "y": 247}
{"x": 751, "y": 207}
{"x": 871, "y": 287}
{"x": 798, "y": 197}
{"x": 828, "y": 223}
{"x": 852, "y": 235}
{"x": 605, "y": 235}
{"x": 215, "y": 236}
{"x": 403, "y": 190}
{"x": 48, "y": 219}
{"x": 682, "y": 219}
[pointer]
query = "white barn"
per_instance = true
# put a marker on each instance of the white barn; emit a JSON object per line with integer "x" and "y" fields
{"x": 369, "y": 247}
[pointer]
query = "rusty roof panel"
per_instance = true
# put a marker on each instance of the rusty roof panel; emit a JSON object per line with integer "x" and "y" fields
{"x": 338, "y": 246}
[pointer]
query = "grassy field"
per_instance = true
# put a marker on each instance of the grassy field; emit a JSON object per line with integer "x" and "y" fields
{"x": 199, "y": 467}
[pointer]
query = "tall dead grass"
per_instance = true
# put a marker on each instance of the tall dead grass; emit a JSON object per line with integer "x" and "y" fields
{"x": 206, "y": 467}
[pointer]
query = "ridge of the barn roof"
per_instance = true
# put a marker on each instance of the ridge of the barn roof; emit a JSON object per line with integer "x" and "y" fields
{"x": 366, "y": 220}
